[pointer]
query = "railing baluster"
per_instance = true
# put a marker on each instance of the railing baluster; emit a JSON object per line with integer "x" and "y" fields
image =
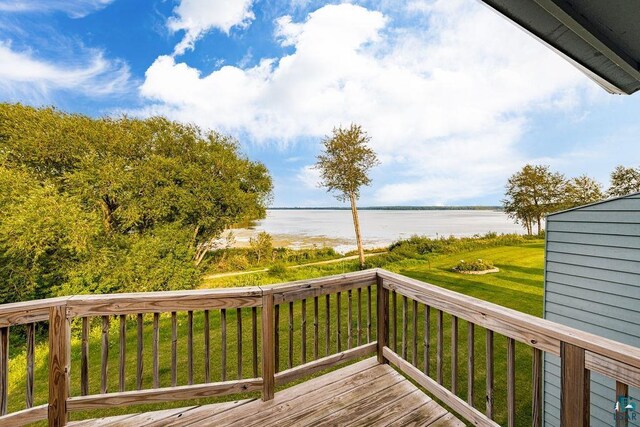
{"x": 536, "y": 399}
{"x": 174, "y": 349}
{"x": 268, "y": 347}
{"x": 404, "y": 327}
{"x": 239, "y": 331}
{"x": 382, "y": 318}
{"x": 622, "y": 418}
{"x": 4, "y": 369}
{"x": 105, "y": 354}
{"x": 489, "y": 378}
{"x": 338, "y": 321}
{"x": 190, "y": 347}
{"x": 359, "y": 318}
{"x": 59, "y": 364}
{"x": 140, "y": 360}
{"x": 84, "y": 358}
{"x": 207, "y": 346}
{"x": 454, "y": 354}
{"x": 316, "y": 327}
{"x": 575, "y": 385}
{"x": 276, "y": 333}
{"x": 426, "y": 344}
{"x": 414, "y": 350}
{"x": 511, "y": 382}
{"x": 290, "y": 358}
{"x": 254, "y": 340}
{"x": 123, "y": 352}
{"x": 394, "y": 314}
{"x": 471, "y": 343}
{"x": 31, "y": 344}
{"x": 439, "y": 347}
{"x": 368, "y": 314}
{"x": 303, "y": 330}
{"x": 327, "y": 338}
{"x": 349, "y": 317}
{"x": 223, "y": 325}
{"x": 156, "y": 350}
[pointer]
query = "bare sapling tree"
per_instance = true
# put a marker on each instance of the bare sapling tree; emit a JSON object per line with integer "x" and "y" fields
{"x": 344, "y": 166}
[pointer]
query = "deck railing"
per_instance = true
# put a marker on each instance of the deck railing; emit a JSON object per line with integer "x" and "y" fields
{"x": 284, "y": 332}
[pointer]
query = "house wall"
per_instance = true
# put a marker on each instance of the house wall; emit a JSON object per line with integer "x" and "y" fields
{"x": 592, "y": 283}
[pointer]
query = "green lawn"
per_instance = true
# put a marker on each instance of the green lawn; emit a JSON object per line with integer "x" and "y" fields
{"x": 518, "y": 285}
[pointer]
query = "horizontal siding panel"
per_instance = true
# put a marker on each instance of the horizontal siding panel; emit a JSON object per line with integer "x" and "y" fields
{"x": 551, "y": 419}
{"x": 584, "y": 283}
{"x": 612, "y": 266}
{"x": 618, "y": 241}
{"x": 595, "y": 250}
{"x": 626, "y": 204}
{"x": 624, "y": 333}
{"x": 604, "y": 307}
{"x": 584, "y": 215}
{"x": 595, "y": 228}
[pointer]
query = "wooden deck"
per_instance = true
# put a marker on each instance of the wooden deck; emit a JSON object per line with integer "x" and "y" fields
{"x": 362, "y": 394}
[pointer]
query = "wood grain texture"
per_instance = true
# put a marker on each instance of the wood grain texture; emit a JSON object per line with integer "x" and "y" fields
{"x": 122, "y": 359}
{"x": 439, "y": 345}
{"x": 426, "y": 342}
{"x": 404, "y": 327}
{"x": 20, "y": 313}
{"x": 316, "y": 329}
{"x": 30, "y": 355}
{"x": 190, "y": 347}
{"x": 59, "y": 346}
{"x": 489, "y": 373}
{"x": 454, "y": 354}
{"x": 414, "y": 341}
{"x": 369, "y": 311}
{"x": 239, "y": 340}
{"x": 394, "y": 316}
{"x": 140, "y": 349}
{"x": 338, "y": 322}
{"x": 25, "y": 416}
{"x": 254, "y": 340}
{"x": 156, "y": 350}
{"x": 622, "y": 418}
{"x": 207, "y": 347}
{"x": 359, "y": 318}
{"x": 349, "y": 317}
{"x": 174, "y": 349}
{"x": 104, "y": 352}
{"x": 303, "y": 330}
{"x": 575, "y": 387}
{"x": 223, "y": 338}
{"x": 276, "y": 336}
{"x": 84, "y": 358}
{"x": 290, "y": 354}
{"x": 471, "y": 343}
{"x": 327, "y": 326}
{"x": 382, "y": 319}
{"x": 268, "y": 350}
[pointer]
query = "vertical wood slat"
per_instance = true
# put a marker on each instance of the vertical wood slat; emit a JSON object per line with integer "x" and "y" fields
{"x": 59, "y": 359}
{"x": 140, "y": 360}
{"x": 190, "y": 347}
{"x": 622, "y": 415}
{"x": 489, "y": 376}
{"x": 105, "y": 354}
{"x": 414, "y": 350}
{"x": 394, "y": 314}
{"x": 454, "y": 354}
{"x": 511, "y": 382}
{"x": 223, "y": 333}
{"x": 439, "y": 347}
{"x": 174, "y": 349}
{"x": 536, "y": 395}
{"x": 239, "y": 338}
{"x": 254, "y": 339}
{"x": 268, "y": 348}
{"x": 303, "y": 330}
{"x": 84, "y": 358}
{"x": 4, "y": 369}
{"x": 290, "y": 355}
{"x": 316, "y": 327}
{"x": 426, "y": 343}
{"x": 327, "y": 338}
{"x": 31, "y": 344}
{"x": 574, "y": 388}
{"x": 155, "y": 351}
{"x": 404, "y": 327}
{"x": 207, "y": 347}
{"x": 382, "y": 318}
{"x": 338, "y": 321}
{"x": 359, "y": 318}
{"x": 276, "y": 333}
{"x": 471, "y": 342}
{"x": 368, "y": 314}
{"x": 123, "y": 352}
{"x": 349, "y": 317}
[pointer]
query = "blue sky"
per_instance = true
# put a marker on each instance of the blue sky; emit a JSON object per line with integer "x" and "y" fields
{"x": 454, "y": 97}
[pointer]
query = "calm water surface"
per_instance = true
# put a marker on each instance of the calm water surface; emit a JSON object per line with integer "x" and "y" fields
{"x": 302, "y": 228}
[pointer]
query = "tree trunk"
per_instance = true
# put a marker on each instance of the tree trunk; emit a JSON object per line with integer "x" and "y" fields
{"x": 539, "y": 224}
{"x": 356, "y": 224}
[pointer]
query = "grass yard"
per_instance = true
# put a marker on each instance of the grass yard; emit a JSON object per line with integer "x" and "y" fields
{"x": 518, "y": 285}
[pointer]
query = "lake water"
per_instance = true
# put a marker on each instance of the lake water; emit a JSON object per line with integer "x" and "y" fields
{"x": 300, "y": 228}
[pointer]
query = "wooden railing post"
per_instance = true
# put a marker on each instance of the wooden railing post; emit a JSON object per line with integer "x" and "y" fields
{"x": 575, "y": 383}
{"x": 268, "y": 348}
{"x": 59, "y": 357}
{"x": 383, "y": 319}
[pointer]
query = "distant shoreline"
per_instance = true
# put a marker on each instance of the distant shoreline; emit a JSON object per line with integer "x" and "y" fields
{"x": 393, "y": 208}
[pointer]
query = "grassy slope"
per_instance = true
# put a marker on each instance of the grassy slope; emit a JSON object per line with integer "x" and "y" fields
{"x": 518, "y": 285}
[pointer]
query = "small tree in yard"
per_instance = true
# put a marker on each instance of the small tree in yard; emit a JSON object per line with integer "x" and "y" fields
{"x": 344, "y": 167}
{"x": 624, "y": 181}
{"x": 262, "y": 246}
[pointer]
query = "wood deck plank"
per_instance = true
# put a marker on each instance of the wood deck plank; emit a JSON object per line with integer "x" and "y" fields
{"x": 407, "y": 405}
{"x": 199, "y": 413}
{"x": 423, "y": 416}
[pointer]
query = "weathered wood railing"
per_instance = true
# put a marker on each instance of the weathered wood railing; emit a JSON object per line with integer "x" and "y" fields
{"x": 285, "y": 332}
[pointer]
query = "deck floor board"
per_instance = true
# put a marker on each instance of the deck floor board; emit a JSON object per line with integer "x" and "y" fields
{"x": 362, "y": 394}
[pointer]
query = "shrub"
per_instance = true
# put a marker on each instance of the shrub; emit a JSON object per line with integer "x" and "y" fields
{"x": 477, "y": 265}
{"x": 277, "y": 269}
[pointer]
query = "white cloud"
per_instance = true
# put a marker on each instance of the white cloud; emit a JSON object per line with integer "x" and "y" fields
{"x": 309, "y": 177}
{"x": 73, "y": 8}
{"x": 196, "y": 17}
{"x": 25, "y": 76}
{"x": 445, "y": 103}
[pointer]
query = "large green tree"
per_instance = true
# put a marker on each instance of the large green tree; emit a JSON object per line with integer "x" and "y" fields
{"x": 580, "y": 191}
{"x": 344, "y": 166}
{"x": 624, "y": 180}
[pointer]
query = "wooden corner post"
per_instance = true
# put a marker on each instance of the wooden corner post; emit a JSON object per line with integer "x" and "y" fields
{"x": 383, "y": 318}
{"x": 268, "y": 349}
{"x": 575, "y": 387}
{"x": 59, "y": 356}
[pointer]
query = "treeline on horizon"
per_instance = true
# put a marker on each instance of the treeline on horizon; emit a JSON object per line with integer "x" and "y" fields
{"x": 115, "y": 204}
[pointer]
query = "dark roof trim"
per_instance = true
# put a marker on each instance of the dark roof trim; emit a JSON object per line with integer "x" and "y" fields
{"x": 562, "y": 27}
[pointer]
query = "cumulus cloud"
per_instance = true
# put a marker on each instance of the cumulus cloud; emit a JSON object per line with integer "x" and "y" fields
{"x": 74, "y": 8}
{"x": 196, "y": 17}
{"x": 445, "y": 103}
{"x": 25, "y": 76}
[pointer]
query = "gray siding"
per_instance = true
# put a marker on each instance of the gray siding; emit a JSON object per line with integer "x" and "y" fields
{"x": 592, "y": 283}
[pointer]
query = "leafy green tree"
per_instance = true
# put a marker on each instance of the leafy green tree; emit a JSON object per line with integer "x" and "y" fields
{"x": 582, "y": 190}
{"x": 532, "y": 193}
{"x": 624, "y": 180}
{"x": 261, "y": 246}
{"x": 344, "y": 167}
